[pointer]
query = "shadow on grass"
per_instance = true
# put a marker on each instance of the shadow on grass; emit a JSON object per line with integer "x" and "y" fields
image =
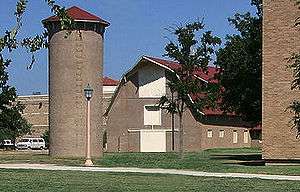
{"x": 240, "y": 159}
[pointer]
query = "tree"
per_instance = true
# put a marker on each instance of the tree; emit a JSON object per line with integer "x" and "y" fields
{"x": 12, "y": 124}
{"x": 192, "y": 54}
{"x": 294, "y": 64}
{"x": 240, "y": 61}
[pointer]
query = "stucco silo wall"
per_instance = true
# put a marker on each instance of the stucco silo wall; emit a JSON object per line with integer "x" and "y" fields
{"x": 74, "y": 62}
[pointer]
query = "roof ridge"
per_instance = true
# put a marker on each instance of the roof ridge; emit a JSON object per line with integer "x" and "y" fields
{"x": 79, "y": 14}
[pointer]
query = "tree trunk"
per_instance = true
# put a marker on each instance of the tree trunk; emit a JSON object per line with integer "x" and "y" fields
{"x": 173, "y": 126}
{"x": 180, "y": 136}
{"x": 173, "y": 133}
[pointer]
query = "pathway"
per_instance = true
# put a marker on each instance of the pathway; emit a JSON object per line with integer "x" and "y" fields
{"x": 147, "y": 171}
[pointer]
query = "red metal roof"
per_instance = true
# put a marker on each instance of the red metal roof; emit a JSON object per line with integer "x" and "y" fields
{"x": 109, "y": 82}
{"x": 207, "y": 76}
{"x": 170, "y": 64}
{"x": 211, "y": 111}
{"x": 79, "y": 14}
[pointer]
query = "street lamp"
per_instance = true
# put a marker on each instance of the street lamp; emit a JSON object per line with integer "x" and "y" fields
{"x": 88, "y": 92}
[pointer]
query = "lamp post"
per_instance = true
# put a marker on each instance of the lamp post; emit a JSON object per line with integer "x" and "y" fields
{"x": 88, "y": 92}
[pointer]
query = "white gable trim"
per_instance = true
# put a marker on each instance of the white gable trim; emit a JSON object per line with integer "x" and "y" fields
{"x": 157, "y": 63}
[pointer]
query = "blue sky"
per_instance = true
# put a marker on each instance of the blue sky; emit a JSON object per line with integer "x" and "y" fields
{"x": 137, "y": 28}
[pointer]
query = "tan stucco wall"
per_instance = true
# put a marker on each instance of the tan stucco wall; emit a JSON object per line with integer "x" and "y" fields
{"x": 74, "y": 62}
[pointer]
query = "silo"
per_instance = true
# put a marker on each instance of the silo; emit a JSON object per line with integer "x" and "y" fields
{"x": 75, "y": 60}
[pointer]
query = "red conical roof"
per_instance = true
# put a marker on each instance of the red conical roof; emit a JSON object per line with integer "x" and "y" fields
{"x": 79, "y": 14}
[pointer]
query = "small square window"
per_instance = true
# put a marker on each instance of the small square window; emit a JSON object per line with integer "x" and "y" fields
{"x": 221, "y": 133}
{"x": 235, "y": 136}
{"x": 152, "y": 115}
{"x": 246, "y": 136}
{"x": 209, "y": 133}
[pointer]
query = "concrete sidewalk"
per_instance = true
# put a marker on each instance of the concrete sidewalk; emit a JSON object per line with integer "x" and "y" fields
{"x": 147, "y": 171}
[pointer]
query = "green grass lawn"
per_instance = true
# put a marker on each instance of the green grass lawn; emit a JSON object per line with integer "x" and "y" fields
{"x": 214, "y": 160}
{"x": 38, "y": 180}
{"x": 35, "y": 157}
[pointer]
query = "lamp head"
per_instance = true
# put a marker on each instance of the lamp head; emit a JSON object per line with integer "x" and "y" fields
{"x": 88, "y": 92}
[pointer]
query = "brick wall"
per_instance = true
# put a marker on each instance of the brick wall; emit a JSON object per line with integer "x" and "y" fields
{"x": 36, "y": 112}
{"x": 280, "y": 40}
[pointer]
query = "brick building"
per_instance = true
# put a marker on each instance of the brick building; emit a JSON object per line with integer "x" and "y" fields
{"x": 280, "y": 39}
{"x": 36, "y": 112}
{"x": 136, "y": 124}
{"x": 37, "y": 107}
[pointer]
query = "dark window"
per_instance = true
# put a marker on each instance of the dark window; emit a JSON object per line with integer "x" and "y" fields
{"x": 40, "y": 105}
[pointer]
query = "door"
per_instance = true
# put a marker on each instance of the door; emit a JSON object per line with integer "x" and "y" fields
{"x": 152, "y": 141}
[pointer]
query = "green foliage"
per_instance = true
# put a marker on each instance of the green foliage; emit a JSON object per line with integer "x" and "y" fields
{"x": 38, "y": 42}
{"x": 66, "y": 22}
{"x": 298, "y": 18}
{"x": 12, "y": 124}
{"x": 192, "y": 53}
{"x": 294, "y": 65}
{"x": 294, "y": 107}
{"x": 240, "y": 61}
